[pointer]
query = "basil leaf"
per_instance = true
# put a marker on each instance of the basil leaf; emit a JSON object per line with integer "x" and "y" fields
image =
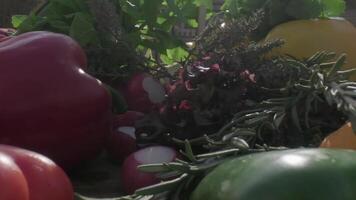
{"x": 83, "y": 30}
{"x": 17, "y": 20}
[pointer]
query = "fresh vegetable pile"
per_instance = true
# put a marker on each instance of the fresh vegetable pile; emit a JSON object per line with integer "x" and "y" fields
{"x": 251, "y": 111}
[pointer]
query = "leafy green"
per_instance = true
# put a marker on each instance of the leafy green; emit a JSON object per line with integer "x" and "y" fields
{"x": 16, "y": 20}
{"x": 29, "y": 23}
{"x": 193, "y": 23}
{"x": 155, "y": 20}
{"x": 115, "y": 33}
{"x": 64, "y": 16}
{"x": 304, "y": 9}
{"x": 175, "y": 54}
{"x": 82, "y": 29}
{"x": 206, "y": 3}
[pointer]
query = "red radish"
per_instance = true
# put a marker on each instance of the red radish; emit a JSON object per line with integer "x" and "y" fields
{"x": 122, "y": 141}
{"x": 143, "y": 93}
{"x": 133, "y": 179}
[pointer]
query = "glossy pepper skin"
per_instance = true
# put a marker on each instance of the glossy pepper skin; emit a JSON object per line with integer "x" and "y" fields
{"x": 48, "y": 103}
{"x": 26, "y": 175}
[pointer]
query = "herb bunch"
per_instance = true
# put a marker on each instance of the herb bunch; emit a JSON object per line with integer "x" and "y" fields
{"x": 120, "y": 37}
{"x": 228, "y": 76}
{"x": 213, "y": 85}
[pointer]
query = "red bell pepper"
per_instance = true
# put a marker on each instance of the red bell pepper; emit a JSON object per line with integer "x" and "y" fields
{"x": 48, "y": 103}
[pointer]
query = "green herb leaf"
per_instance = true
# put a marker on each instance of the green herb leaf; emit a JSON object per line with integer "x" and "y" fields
{"x": 206, "y": 3}
{"x": 189, "y": 151}
{"x": 31, "y": 23}
{"x": 82, "y": 29}
{"x": 174, "y": 55}
{"x": 337, "y": 66}
{"x": 60, "y": 26}
{"x": 164, "y": 167}
{"x": 304, "y": 9}
{"x": 161, "y": 187}
{"x": 151, "y": 11}
{"x": 193, "y": 23}
{"x": 69, "y": 5}
{"x": 278, "y": 119}
{"x": 17, "y": 20}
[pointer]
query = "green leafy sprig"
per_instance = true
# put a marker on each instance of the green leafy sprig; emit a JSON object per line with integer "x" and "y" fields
{"x": 120, "y": 37}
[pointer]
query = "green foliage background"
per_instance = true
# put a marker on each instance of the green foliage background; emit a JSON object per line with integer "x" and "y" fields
{"x": 144, "y": 26}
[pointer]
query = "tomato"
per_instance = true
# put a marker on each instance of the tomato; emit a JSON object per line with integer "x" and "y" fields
{"x": 303, "y": 38}
{"x": 26, "y": 175}
{"x": 297, "y": 174}
{"x": 48, "y": 103}
{"x": 343, "y": 138}
{"x": 12, "y": 181}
